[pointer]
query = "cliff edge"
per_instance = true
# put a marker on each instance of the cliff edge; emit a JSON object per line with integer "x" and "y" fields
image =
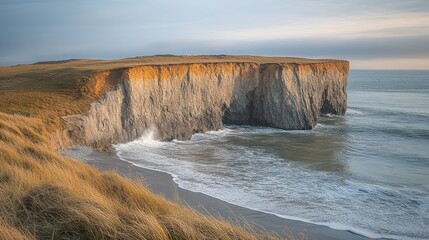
{"x": 178, "y": 100}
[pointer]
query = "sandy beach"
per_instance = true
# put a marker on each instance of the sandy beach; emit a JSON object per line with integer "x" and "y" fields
{"x": 163, "y": 184}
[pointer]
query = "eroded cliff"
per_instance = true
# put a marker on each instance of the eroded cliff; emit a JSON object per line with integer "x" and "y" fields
{"x": 179, "y": 100}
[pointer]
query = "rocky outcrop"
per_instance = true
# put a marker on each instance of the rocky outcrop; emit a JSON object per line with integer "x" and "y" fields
{"x": 182, "y": 99}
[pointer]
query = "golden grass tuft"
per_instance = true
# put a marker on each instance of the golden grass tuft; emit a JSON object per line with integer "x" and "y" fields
{"x": 47, "y": 196}
{"x": 9, "y": 232}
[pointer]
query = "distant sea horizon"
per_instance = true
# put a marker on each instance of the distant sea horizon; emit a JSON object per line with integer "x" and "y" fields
{"x": 35, "y": 61}
{"x": 389, "y": 69}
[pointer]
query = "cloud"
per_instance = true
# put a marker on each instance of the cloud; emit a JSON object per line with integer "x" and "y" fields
{"x": 362, "y": 48}
{"x": 354, "y": 29}
{"x": 371, "y": 25}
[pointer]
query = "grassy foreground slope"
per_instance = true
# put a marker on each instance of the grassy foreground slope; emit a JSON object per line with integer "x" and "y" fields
{"x": 46, "y": 196}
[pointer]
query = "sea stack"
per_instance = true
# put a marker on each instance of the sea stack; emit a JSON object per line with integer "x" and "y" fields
{"x": 178, "y": 100}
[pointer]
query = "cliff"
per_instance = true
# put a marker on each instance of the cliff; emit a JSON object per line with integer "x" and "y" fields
{"x": 179, "y": 100}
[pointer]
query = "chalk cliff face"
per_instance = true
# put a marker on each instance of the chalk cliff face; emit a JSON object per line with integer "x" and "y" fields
{"x": 183, "y": 99}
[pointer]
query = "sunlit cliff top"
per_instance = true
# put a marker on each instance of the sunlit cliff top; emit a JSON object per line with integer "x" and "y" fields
{"x": 52, "y": 89}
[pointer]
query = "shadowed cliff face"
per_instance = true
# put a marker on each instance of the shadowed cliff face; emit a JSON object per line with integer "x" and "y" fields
{"x": 183, "y": 99}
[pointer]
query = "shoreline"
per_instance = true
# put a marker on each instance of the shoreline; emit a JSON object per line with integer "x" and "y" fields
{"x": 163, "y": 184}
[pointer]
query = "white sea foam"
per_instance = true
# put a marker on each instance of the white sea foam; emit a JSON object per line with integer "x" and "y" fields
{"x": 353, "y": 111}
{"x": 148, "y": 139}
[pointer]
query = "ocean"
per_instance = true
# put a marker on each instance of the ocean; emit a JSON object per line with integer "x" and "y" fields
{"x": 366, "y": 172}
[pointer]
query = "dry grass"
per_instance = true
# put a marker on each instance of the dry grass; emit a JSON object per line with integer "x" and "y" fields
{"x": 47, "y": 196}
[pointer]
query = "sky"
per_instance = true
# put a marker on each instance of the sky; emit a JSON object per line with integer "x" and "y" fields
{"x": 371, "y": 34}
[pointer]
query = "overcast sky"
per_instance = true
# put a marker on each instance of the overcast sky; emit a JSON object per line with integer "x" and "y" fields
{"x": 369, "y": 33}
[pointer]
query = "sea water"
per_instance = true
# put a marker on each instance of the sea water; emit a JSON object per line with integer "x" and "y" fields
{"x": 366, "y": 172}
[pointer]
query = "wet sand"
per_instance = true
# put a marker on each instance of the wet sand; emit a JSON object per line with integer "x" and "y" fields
{"x": 163, "y": 184}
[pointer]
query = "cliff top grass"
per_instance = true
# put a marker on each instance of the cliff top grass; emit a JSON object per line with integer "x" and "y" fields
{"x": 57, "y": 76}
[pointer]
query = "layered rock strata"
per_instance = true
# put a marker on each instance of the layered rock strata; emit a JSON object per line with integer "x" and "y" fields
{"x": 182, "y": 99}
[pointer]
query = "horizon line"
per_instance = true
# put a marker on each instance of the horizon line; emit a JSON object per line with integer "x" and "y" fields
{"x": 179, "y": 55}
